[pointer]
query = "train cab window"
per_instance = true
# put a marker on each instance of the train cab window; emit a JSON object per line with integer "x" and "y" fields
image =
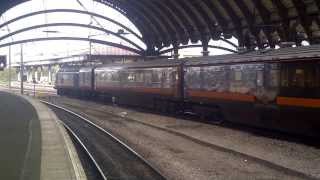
{"x": 299, "y": 80}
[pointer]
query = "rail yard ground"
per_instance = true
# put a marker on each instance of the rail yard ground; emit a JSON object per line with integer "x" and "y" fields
{"x": 183, "y": 149}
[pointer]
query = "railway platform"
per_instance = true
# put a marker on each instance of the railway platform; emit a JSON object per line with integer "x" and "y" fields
{"x": 33, "y": 144}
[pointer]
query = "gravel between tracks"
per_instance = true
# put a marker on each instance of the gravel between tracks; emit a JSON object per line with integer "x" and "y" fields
{"x": 180, "y": 158}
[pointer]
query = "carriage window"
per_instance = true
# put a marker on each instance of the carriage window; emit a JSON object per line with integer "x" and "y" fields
{"x": 285, "y": 77}
{"x": 148, "y": 78}
{"x": 138, "y": 76}
{"x": 300, "y": 76}
{"x": 260, "y": 78}
{"x": 238, "y": 75}
{"x": 156, "y": 76}
{"x": 115, "y": 77}
{"x": 192, "y": 78}
{"x": 274, "y": 78}
{"x": 167, "y": 76}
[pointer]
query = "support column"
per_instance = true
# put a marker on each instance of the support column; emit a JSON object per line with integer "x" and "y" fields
{"x": 176, "y": 52}
{"x": 29, "y": 74}
{"x": 21, "y": 70}
{"x": 205, "y": 49}
{"x": 36, "y": 74}
{"x": 41, "y": 72}
{"x": 49, "y": 74}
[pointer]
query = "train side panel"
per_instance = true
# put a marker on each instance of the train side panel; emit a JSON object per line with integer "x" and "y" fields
{"x": 148, "y": 87}
{"x": 299, "y": 97}
{"x": 283, "y": 95}
{"x": 86, "y": 81}
{"x": 230, "y": 89}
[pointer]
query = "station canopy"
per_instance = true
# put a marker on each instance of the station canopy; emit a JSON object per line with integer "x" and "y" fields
{"x": 260, "y": 23}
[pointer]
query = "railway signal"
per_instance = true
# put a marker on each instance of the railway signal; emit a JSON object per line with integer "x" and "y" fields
{"x": 3, "y": 62}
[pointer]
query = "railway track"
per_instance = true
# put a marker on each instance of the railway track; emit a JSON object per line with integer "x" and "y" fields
{"x": 112, "y": 158}
{"x": 286, "y": 170}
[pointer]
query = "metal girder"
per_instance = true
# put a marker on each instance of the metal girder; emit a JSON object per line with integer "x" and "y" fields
{"x": 265, "y": 15}
{"x": 134, "y": 6}
{"x": 235, "y": 19}
{"x": 283, "y": 13}
{"x": 196, "y": 46}
{"x": 303, "y": 17}
{"x": 183, "y": 18}
{"x": 250, "y": 18}
{"x": 149, "y": 30}
{"x": 97, "y": 41}
{"x": 200, "y": 25}
{"x": 158, "y": 18}
{"x": 70, "y": 24}
{"x": 165, "y": 22}
{"x": 69, "y": 11}
{"x": 180, "y": 28}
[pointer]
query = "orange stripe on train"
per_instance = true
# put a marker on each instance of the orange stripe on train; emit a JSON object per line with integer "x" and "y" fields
{"x": 219, "y": 95}
{"x": 160, "y": 91}
{"x": 303, "y": 102}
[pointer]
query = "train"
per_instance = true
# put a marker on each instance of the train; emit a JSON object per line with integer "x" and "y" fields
{"x": 277, "y": 89}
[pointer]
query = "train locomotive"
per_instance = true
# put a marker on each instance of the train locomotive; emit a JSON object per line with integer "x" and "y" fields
{"x": 274, "y": 89}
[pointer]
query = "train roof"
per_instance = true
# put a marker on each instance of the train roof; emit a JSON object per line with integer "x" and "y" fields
{"x": 261, "y": 55}
{"x": 69, "y": 69}
{"x": 282, "y": 54}
{"x": 145, "y": 64}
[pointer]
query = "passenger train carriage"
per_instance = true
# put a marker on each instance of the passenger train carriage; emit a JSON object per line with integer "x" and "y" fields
{"x": 139, "y": 83}
{"x": 277, "y": 89}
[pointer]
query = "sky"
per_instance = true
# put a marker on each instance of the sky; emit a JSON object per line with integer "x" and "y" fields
{"x": 53, "y": 49}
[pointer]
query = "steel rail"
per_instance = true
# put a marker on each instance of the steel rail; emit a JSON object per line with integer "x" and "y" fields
{"x": 85, "y": 148}
{"x": 108, "y": 134}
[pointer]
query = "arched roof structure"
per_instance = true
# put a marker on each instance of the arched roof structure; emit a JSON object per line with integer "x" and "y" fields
{"x": 253, "y": 22}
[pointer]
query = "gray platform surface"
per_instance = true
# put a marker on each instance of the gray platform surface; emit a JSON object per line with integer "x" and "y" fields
{"x": 20, "y": 139}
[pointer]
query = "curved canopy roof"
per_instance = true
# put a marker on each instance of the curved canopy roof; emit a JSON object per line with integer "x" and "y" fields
{"x": 259, "y": 22}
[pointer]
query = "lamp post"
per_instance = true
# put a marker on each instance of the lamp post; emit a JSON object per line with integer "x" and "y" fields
{"x": 90, "y": 44}
{"x": 119, "y": 32}
{"x": 9, "y": 60}
{"x": 21, "y": 68}
{"x": 9, "y": 65}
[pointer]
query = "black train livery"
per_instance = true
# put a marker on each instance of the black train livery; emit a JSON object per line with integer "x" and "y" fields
{"x": 276, "y": 89}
